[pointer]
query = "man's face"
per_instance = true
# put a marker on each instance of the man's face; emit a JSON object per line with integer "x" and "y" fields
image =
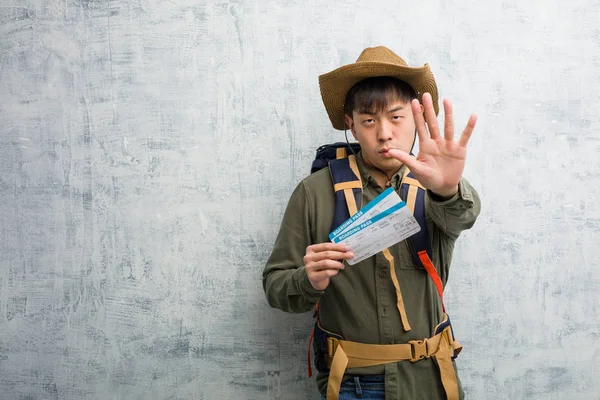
{"x": 393, "y": 127}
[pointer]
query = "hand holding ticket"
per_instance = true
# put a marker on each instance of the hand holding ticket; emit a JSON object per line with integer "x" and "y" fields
{"x": 382, "y": 223}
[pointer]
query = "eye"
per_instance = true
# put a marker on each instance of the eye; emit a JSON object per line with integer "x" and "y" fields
{"x": 369, "y": 121}
{"x": 397, "y": 117}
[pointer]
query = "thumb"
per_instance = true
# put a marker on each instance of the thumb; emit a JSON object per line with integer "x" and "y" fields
{"x": 405, "y": 158}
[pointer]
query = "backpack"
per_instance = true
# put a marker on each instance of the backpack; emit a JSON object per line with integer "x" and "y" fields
{"x": 340, "y": 158}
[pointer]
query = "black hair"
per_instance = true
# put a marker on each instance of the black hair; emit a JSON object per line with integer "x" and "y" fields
{"x": 373, "y": 94}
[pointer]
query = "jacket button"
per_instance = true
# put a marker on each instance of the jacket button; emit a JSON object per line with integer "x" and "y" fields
{"x": 382, "y": 274}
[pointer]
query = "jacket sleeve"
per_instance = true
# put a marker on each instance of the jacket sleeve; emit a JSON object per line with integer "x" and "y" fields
{"x": 284, "y": 277}
{"x": 457, "y": 213}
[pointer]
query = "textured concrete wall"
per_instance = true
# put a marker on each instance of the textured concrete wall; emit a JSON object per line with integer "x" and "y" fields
{"x": 148, "y": 149}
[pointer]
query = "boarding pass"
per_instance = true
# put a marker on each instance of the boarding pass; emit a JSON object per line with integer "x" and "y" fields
{"x": 382, "y": 223}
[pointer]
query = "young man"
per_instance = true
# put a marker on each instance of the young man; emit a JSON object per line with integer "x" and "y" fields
{"x": 385, "y": 300}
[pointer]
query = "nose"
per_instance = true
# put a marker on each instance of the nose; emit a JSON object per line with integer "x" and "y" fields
{"x": 384, "y": 131}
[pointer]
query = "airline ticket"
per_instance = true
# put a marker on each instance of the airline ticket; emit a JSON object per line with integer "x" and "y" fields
{"x": 382, "y": 223}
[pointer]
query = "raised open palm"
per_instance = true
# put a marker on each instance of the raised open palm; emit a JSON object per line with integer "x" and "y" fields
{"x": 441, "y": 161}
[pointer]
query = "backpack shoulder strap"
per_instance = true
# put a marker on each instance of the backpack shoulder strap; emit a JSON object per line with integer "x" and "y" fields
{"x": 420, "y": 247}
{"x": 347, "y": 187}
{"x": 413, "y": 193}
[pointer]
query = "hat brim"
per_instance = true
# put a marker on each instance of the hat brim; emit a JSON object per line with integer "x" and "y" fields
{"x": 335, "y": 85}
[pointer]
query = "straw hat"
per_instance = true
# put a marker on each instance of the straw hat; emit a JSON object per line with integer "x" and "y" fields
{"x": 372, "y": 62}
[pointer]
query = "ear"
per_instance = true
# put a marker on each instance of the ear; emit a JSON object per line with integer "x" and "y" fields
{"x": 350, "y": 124}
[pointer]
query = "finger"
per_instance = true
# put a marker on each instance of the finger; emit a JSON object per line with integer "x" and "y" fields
{"x": 323, "y": 275}
{"x": 419, "y": 121}
{"x": 330, "y": 272}
{"x": 430, "y": 118}
{"x": 466, "y": 135}
{"x": 325, "y": 264}
{"x": 328, "y": 246}
{"x": 448, "y": 121}
{"x": 328, "y": 255}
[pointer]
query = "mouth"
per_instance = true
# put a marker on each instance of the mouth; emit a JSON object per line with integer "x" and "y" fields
{"x": 385, "y": 151}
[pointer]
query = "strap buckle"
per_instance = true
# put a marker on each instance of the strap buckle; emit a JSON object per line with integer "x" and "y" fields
{"x": 332, "y": 345}
{"x": 418, "y": 350}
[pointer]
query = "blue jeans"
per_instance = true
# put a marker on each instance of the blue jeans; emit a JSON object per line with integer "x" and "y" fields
{"x": 362, "y": 387}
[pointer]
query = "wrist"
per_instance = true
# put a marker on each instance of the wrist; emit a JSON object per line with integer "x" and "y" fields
{"x": 445, "y": 193}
